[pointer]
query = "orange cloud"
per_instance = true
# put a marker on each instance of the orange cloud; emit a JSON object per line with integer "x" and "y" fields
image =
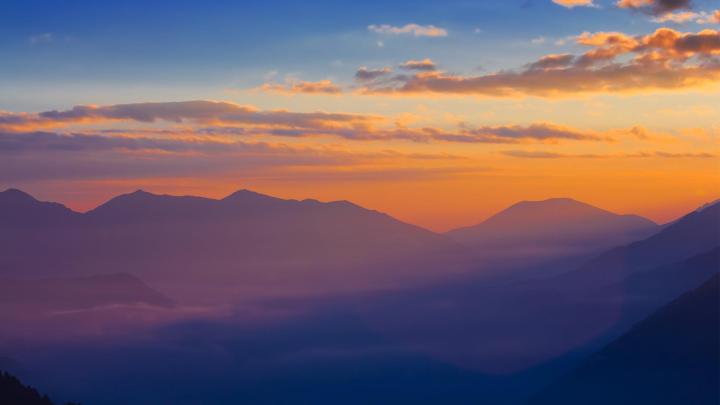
{"x": 680, "y": 17}
{"x": 302, "y": 87}
{"x": 533, "y": 154}
{"x": 574, "y": 3}
{"x": 196, "y": 111}
{"x": 664, "y": 60}
{"x": 228, "y": 119}
{"x": 654, "y": 7}
{"x": 422, "y": 65}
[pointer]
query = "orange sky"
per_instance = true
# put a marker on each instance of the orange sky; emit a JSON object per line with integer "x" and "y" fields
{"x": 626, "y": 122}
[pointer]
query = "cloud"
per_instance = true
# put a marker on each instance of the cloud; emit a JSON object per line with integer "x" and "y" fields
{"x": 554, "y": 155}
{"x": 574, "y": 3}
{"x": 409, "y": 29}
{"x": 41, "y": 38}
{"x": 553, "y": 61}
{"x": 678, "y": 18}
{"x": 426, "y": 65}
{"x": 196, "y": 111}
{"x": 19, "y": 142}
{"x": 655, "y": 7}
{"x": 366, "y": 74}
{"x": 682, "y": 17}
{"x": 515, "y": 133}
{"x": 228, "y": 119}
{"x": 709, "y": 18}
{"x": 303, "y": 87}
{"x": 32, "y": 156}
{"x": 502, "y": 134}
{"x": 616, "y": 62}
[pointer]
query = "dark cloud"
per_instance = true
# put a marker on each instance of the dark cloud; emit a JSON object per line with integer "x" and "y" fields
{"x": 655, "y": 7}
{"x": 202, "y": 111}
{"x": 365, "y": 74}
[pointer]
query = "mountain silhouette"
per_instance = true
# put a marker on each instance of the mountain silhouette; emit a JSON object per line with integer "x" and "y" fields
{"x": 550, "y": 228}
{"x": 14, "y": 392}
{"x": 533, "y": 317}
{"x": 244, "y": 245}
{"x": 20, "y": 210}
{"x": 693, "y": 234}
{"x": 672, "y": 357}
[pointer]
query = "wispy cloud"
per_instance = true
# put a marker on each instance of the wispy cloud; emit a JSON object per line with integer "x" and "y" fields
{"x": 574, "y": 3}
{"x": 41, "y": 38}
{"x": 197, "y": 111}
{"x": 227, "y": 118}
{"x": 536, "y": 154}
{"x": 303, "y": 87}
{"x": 426, "y": 65}
{"x": 409, "y": 29}
{"x": 682, "y": 17}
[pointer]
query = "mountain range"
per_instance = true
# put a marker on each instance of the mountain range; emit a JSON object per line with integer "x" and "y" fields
{"x": 378, "y": 290}
{"x": 244, "y": 245}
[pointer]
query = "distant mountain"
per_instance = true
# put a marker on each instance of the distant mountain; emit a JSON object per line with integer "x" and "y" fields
{"x": 525, "y": 320}
{"x": 551, "y": 228}
{"x": 242, "y": 246}
{"x": 58, "y": 294}
{"x": 672, "y": 357}
{"x": 19, "y": 209}
{"x": 695, "y": 233}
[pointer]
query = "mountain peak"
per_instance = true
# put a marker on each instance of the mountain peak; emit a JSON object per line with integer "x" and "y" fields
{"x": 14, "y": 195}
{"x": 245, "y": 195}
{"x": 551, "y": 209}
{"x": 20, "y": 208}
{"x": 555, "y": 224}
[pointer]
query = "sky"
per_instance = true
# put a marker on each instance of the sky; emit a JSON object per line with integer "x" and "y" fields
{"x": 438, "y": 113}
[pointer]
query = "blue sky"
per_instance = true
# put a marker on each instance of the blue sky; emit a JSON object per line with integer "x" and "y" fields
{"x": 224, "y": 44}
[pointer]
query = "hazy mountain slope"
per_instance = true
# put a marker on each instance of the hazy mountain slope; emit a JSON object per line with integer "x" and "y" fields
{"x": 79, "y": 293}
{"x": 244, "y": 245}
{"x": 672, "y": 357}
{"x": 550, "y": 228}
{"x": 670, "y": 280}
{"x": 518, "y": 323}
{"x": 695, "y": 233}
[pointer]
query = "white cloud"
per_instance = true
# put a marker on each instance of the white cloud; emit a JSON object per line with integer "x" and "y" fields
{"x": 409, "y": 29}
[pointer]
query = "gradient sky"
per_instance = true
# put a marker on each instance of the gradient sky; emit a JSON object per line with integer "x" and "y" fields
{"x": 439, "y": 113}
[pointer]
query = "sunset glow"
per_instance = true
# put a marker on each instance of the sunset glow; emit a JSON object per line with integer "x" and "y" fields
{"x": 379, "y": 113}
